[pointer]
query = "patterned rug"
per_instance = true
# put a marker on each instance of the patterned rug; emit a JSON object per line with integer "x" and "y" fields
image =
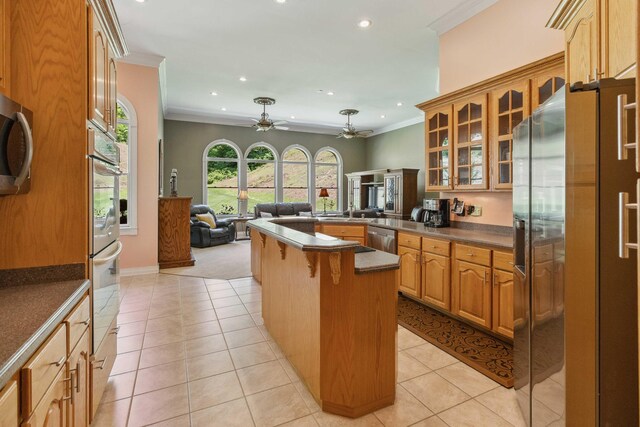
{"x": 481, "y": 351}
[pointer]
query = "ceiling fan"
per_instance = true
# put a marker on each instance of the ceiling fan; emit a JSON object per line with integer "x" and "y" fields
{"x": 265, "y": 123}
{"x": 349, "y": 131}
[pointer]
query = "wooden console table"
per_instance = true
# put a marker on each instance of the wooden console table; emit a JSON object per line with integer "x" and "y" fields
{"x": 174, "y": 238}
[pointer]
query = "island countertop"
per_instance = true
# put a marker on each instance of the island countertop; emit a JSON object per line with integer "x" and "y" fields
{"x": 28, "y": 315}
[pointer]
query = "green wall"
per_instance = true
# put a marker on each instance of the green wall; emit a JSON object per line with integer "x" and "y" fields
{"x": 184, "y": 144}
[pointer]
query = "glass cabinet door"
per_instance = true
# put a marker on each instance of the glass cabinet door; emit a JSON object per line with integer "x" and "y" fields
{"x": 390, "y": 194}
{"x": 546, "y": 84}
{"x": 438, "y": 129}
{"x": 354, "y": 194}
{"x": 510, "y": 105}
{"x": 470, "y": 137}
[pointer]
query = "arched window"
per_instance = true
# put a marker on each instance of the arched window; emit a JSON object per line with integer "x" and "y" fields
{"x": 222, "y": 166}
{"x": 126, "y": 140}
{"x": 295, "y": 175}
{"x": 261, "y": 175}
{"x": 328, "y": 174}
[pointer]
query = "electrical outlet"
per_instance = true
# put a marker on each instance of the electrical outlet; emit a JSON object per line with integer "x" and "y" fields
{"x": 477, "y": 211}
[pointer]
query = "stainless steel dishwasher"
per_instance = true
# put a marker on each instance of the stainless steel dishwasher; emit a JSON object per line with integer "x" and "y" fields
{"x": 382, "y": 239}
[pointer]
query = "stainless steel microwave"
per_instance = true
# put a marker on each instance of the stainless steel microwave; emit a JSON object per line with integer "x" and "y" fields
{"x": 16, "y": 147}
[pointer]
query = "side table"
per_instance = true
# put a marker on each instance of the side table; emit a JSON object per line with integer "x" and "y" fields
{"x": 242, "y": 221}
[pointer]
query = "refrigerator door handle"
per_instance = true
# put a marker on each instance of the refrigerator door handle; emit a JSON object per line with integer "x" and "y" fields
{"x": 623, "y": 132}
{"x": 623, "y": 225}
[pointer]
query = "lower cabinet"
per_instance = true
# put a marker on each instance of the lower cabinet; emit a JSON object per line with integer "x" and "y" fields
{"x": 410, "y": 276}
{"x": 471, "y": 292}
{"x": 503, "y": 302}
{"x": 9, "y": 405}
{"x": 356, "y": 233}
{"x": 51, "y": 411}
{"x": 436, "y": 280}
{"x": 79, "y": 382}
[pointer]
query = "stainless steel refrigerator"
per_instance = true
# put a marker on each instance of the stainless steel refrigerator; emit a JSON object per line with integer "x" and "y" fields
{"x": 575, "y": 300}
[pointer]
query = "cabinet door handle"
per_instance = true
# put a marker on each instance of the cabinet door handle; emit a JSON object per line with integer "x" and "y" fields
{"x": 470, "y": 254}
{"x": 86, "y": 322}
{"x": 59, "y": 362}
{"x": 623, "y": 225}
{"x": 623, "y": 131}
{"x": 71, "y": 393}
{"x": 102, "y": 363}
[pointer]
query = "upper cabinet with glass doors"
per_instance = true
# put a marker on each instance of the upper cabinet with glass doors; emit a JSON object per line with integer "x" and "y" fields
{"x": 468, "y": 133}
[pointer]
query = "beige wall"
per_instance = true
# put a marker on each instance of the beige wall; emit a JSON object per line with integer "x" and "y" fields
{"x": 139, "y": 85}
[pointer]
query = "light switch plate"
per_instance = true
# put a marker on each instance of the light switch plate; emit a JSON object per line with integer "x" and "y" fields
{"x": 477, "y": 211}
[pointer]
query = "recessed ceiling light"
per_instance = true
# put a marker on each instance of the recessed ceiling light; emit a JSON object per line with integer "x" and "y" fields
{"x": 224, "y": 108}
{"x": 399, "y": 104}
{"x": 382, "y": 116}
{"x": 243, "y": 79}
{"x": 365, "y": 23}
{"x": 214, "y": 93}
{"x": 330, "y": 93}
{"x": 293, "y": 117}
{"x": 281, "y": 1}
{"x": 140, "y": 1}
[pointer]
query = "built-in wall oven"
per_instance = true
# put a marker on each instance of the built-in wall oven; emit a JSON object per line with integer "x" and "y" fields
{"x": 16, "y": 147}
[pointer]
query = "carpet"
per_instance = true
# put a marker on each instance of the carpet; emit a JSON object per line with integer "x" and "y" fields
{"x": 481, "y": 351}
{"x": 230, "y": 261}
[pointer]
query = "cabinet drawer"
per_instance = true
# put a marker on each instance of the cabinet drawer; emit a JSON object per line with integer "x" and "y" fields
{"x": 102, "y": 364}
{"x": 503, "y": 260}
{"x": 434, "y": 246}
{"x": 473, "y": 254}
{"x": 40, "y": 371}
{"x": 542, "y": 253}
{"x": 9, "y": 405}
{"x": 343, "y": 230}
{"x": 409, "y": 240}
{"x": 78, "y": 322}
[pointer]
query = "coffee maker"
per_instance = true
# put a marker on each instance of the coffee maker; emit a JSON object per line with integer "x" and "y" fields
{"x": 436, "y": 212}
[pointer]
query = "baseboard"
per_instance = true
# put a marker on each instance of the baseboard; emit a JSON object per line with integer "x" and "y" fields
{"x": 137, "y": 271}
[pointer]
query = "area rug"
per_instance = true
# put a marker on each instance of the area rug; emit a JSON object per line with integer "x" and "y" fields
{"x": 230, "y": 261}
{"x": 481, "y": 351}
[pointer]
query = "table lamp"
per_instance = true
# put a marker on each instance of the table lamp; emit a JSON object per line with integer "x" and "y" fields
{"x": 243, "y": 196}
{"x": 324, "y": 193}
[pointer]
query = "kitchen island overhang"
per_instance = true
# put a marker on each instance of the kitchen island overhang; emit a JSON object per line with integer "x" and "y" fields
{"x": 332, "y": 312}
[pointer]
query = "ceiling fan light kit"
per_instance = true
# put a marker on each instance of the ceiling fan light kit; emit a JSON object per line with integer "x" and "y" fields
{"x": 349, "y": 131}
{"x": 265, "y": 123}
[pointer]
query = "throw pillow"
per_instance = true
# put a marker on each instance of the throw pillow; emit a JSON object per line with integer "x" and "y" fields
{"x": 265, "y": 215}
{"x": 208, "y": 218}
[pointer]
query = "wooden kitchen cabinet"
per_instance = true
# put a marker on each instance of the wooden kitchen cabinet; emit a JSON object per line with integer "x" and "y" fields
{"x": 471, "y": 292}
{"x": 582, "y": 51}
{"x": 174, "y": 234}
{"x": 98, "y": 73}
{"x": 439, "y": 135}
{"x": 52, "y": 410}
{"x": 79, "y": 383}
{"x": 503, "y": 316}
{"x": 410, "y": 277}
{"x": 545, "y": 84}
{"x": 112, "y": 92}
{"x": 5, "y": 47}
{"x": 618, "y": 37}
{"x": 436, "y": 280}
{"x": 9, "y": 405}
{"x": 470, "y": 136}
{"x": 509, "y": 106}
{"x": 356, "y": 233}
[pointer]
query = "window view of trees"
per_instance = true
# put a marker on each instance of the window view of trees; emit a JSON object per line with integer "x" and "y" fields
{"x": 222, "y": 179}
{"x": 122, "y": 141}
{"x": 295, "y": 176}
{"x": 261, "y": 176}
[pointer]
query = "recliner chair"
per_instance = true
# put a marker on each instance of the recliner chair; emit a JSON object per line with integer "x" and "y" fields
{"x": 203, "y": 236}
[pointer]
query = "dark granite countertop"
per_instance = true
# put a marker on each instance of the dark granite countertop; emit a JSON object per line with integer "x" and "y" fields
{"x": 28, "y": 315}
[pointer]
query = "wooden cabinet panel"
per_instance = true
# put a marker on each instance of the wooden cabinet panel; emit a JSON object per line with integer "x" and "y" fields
{"x": 470, "y": 136}
{"x": 5, "y": 46}
{"x": 509, "y": 106}
{"x": 473, "y": 254}
{"x": 619, "y": 37}
{"x": 436, "y": 280}
{"x": 98, "y": 73}
{"x": 112, "y": 92}
{"x": 344, "y": 230}
{"x": 79, "y": 383}
{"x": 438, "y": 137}
{"x": 503, "y": 261}
{"x": 77, "y": 322}
{"x": 546, "y": 84}
{"x": 101, "y": 365}
{"x": 435, "y": 246}
{"x": 471, "y": 296}
{"x": 503, "y": 303}
{"x": 39, "y": 372}
{"x": 174, "y": 232}
{"x": 51, "y": 412}
{"x": 409, "y": 271}
{"x": 409, "y": 240}
{"x": 9, "y": 405}
{"x": 581, "y": 45}
{"x": 542, "y": 290}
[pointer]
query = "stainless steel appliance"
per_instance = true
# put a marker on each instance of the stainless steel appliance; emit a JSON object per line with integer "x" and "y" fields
{"x": 437, "y": 212}
{"x": 575, "y": 301}
{"x": 16, "y": 147}
{"x": 382, "y": 239}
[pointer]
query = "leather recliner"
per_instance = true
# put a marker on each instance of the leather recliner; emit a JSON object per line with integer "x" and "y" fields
{"x": 203, "y": 236}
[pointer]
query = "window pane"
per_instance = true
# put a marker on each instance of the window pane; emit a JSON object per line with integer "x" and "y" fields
{"x": 326, "y": 156}
{"x": 327, "y": 177}
{"x": 124, "y": 199}
{"x": 222, "y": 187}
{"x": 122, "y": 142}
{"x": 261, "y": 153}
{"x": 222, "y": 151}
{"x": 295, "y": 155}
{"x": 295, "y": 182}
{"x": 261, "y": 183}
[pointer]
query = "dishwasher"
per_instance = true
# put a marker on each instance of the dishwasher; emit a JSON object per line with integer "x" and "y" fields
{"x": 382, "y": 239}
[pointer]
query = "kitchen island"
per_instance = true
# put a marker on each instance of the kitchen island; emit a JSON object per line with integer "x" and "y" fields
{"x": 332, "y": 311}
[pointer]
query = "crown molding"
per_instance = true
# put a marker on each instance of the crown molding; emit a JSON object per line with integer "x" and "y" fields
{"x": 399, "y": 125}
{"x": 162, "y": 78}
{"x": 106, "y": 14}
{"x": 459, "y": 14}
{"x": 144, "y": 59}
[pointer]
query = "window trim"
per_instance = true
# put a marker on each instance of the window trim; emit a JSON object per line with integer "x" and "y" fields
{"x": 131, "y": 228}
{"x": 206, "y": 159}
{"x": 340, "y": 180}
{"x": 309, "y": 167}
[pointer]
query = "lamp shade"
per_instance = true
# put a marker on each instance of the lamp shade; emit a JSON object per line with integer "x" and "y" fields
{"x": 243, "y": 195}
{"x": 324, "y": 192}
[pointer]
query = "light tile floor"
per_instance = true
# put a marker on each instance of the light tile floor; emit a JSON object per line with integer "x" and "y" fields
{"x": 195, "y": 352}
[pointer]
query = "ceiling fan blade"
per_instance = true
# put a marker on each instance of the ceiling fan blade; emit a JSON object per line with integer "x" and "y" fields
{"x": 340, "y": 135}
{"x": 280, "y": 122}
{"x": 281, "y": 127}
{"x": 364, "y": 132}
{"x": 255, "y": 120}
